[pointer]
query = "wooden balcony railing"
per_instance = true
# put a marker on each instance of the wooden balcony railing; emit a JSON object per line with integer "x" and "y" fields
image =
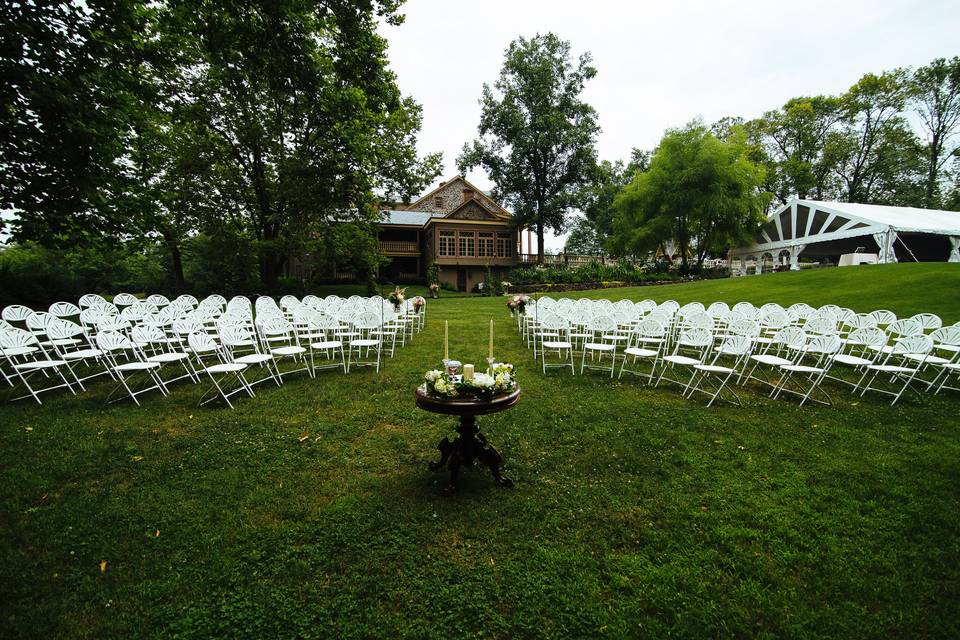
{"x": 397, "y": 246}
{"x": 567, "y": 259}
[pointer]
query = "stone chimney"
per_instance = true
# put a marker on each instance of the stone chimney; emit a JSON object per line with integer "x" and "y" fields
{"x": 467, "y": 195}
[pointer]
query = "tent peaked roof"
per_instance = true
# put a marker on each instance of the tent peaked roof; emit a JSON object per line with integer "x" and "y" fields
{"x": 908, "y": 219}
{"x": 803, "y": 222}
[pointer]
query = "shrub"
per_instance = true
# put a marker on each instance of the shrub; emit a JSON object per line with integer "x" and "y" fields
{"x": 433, "y": 273}
{"x": 36, "y": 276}
{"x": 596, "y": 272}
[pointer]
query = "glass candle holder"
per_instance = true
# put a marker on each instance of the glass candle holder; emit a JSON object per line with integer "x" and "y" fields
{"x": 452, "y": 366}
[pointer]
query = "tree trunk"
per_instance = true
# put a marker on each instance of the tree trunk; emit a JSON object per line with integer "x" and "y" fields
{"x": 271, "y": 267}
{"x": 682, "y": 237}
{"x": 932, "y": 172}
{"x": 540, "y": 243}
{"x": 176, "y": 261}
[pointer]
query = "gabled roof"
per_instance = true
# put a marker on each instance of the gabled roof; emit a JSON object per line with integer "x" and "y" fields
{"x": 493, "y": 215}
{"x": 446, "y": 183}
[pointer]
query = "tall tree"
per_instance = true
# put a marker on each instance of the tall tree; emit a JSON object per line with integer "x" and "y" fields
{"x": 70, "y": 93}
{"x": 583, "y": 238}
{"x": 935, "y": 98}
{"x": 536, "y": 134}
{"x": 609, "y": 180}
{"x": 798, "y": 140}
{"x": 700, "y": 191}
{"x": 871, "y": 110}
{"x": 305, "y": 117}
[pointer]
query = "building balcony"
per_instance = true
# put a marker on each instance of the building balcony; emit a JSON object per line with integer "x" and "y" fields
{"x": 399, "y": 248}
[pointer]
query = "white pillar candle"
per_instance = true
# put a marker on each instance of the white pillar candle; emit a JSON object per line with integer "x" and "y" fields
{"x": 468, "y": 372}
{"x": 491, "y": 338}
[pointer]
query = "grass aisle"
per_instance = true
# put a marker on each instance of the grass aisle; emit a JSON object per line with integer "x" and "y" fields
{"x": 636, "y": 513}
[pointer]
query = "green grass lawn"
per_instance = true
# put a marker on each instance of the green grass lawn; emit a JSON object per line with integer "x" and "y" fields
{"x": 635, "y": 513}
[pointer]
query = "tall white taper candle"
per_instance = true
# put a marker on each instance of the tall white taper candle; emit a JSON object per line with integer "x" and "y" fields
{"x": 491, "y": 337}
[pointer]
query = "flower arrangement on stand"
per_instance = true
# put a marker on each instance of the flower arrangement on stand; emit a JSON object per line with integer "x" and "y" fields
{"x": 418, "y": 303}
{"x": 500, "y": 379}
{"x": 434, "y": 290}
{"x": 396, "y": 298}
{"x": 505, "y": 287}
{"x": 520, "y": 302}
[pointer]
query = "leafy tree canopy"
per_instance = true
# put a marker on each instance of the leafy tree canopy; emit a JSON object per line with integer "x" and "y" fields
{"x": 536, "y": 134}
{"x": 266, "y": 119}
{"x": 699, "y": 190}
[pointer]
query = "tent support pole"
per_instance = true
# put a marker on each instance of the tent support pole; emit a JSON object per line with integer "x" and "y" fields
{"x": 907, "y": 248}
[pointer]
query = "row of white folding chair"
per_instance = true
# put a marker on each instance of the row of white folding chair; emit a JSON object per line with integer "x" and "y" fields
{"x": 828, "y": 320}
{"x": 903, "y": 361}
{"x": 912, "y": 357}
{"x": 115, "y": 324}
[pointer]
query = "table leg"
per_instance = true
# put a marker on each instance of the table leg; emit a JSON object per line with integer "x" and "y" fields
{"x": 469, "y": 445}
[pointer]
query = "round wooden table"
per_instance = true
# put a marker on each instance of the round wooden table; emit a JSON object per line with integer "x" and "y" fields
{"x": 469, "y": 445}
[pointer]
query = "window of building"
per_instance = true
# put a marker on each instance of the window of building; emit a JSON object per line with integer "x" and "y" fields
{"x": 485, "y": 244}
{"x": 438, "y": 202}
{"x": 467, "y": 244}
{"x": 448, "y": 244}
{"x": 503, "y": 245}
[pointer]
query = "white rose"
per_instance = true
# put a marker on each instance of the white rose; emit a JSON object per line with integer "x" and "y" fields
{"x": 483, "y": 380}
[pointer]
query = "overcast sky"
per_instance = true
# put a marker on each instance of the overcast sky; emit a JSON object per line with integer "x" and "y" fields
{"x": 659, "y": 64}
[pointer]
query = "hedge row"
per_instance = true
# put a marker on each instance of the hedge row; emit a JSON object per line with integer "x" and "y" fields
{"x": 594, "y": 275}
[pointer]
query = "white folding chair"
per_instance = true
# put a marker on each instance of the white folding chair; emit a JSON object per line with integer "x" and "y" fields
{"x": 227, "y": 377}
{"x": 133, "y": 373}
{"x": 64, "y": 310}
{"x": 712, "y": 378}
{"x": 883, "y": 318}
{"x": 928, "y": 321}
{"x": 946, "y": 340}
{"x": 16, "y": 314}
{"x": 26, "y": 359}
{"x": 785, "y": 348}
{"x": 555, "y": 339}
{"x": 365, "y": 325}
{"x": 62, "y": 333}
{"x": 87, "y": 300}
{"x": 813, "y": 366}
{"x": 601, "y": 328}
{"x": 859, "y": 350}
{"x": 903, "y": 364}
{"x": 124, "y": 299}
{"x": 326, "y": 344}
{"x": 280, "y": 340}
{"x": 647, "y": 342}
{"x": 156, "y": 346}
{"x": 241, "y": 346}
{"x": 691, "y": 348}
{"x": 898, "y": 330}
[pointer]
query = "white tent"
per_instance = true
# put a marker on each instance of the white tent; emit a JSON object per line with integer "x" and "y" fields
{"x": 833, "y": 228}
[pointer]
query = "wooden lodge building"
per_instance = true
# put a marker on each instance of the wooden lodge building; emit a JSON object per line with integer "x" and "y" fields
{"x": 458, "y": 226}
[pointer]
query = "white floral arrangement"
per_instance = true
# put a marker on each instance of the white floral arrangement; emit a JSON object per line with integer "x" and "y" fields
{"x": 518, "y": 303}
{"x": 483, "y": 385}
